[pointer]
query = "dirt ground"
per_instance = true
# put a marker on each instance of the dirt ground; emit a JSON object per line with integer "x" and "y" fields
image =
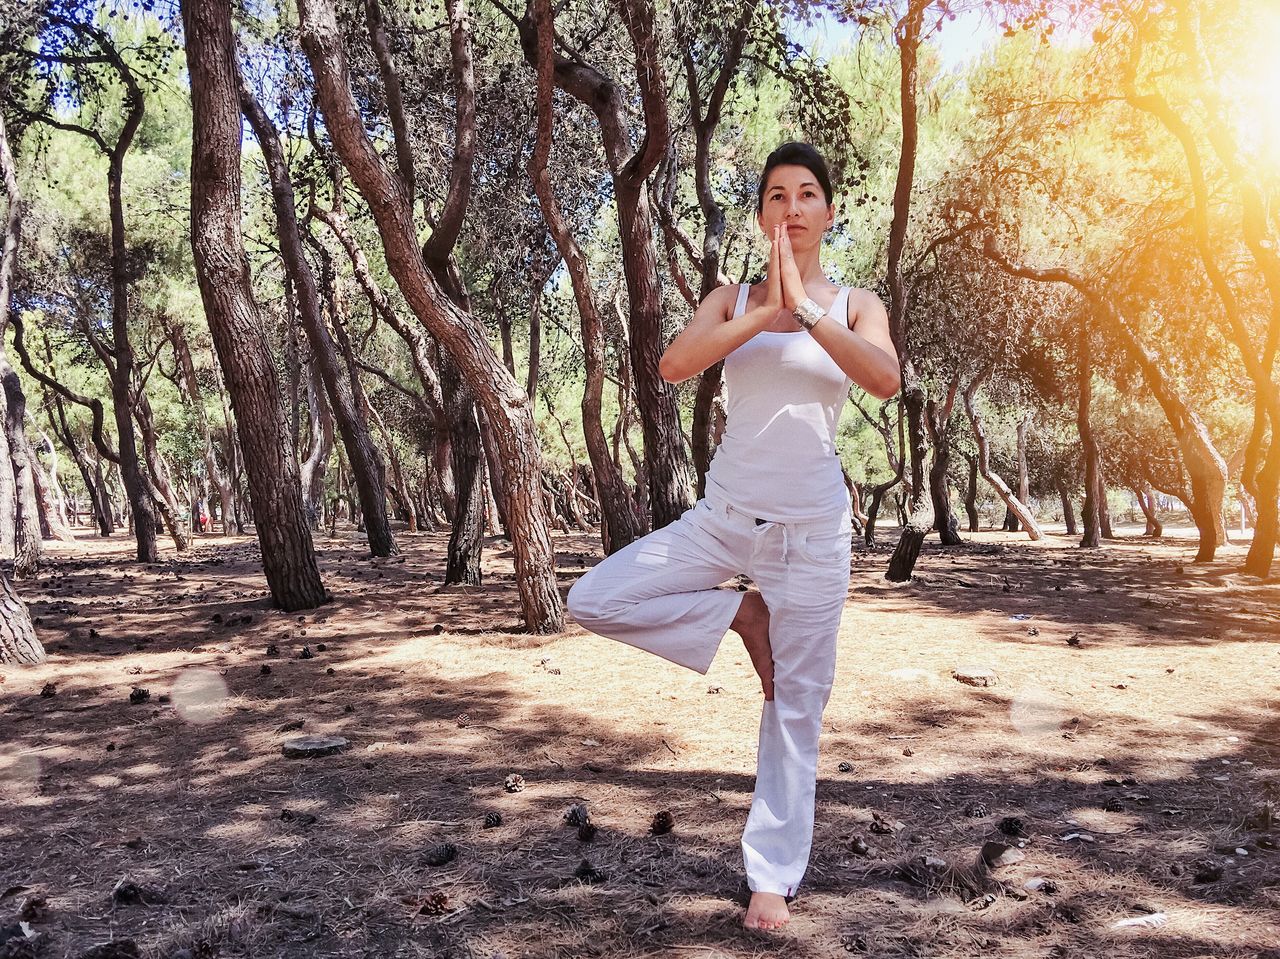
{"x": 1133, "y": 730}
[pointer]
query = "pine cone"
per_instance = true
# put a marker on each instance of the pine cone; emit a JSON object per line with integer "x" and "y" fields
{"x": 663, "y": 822}
{"x": 139, "y": 695}
{"x": 845, "y": 767}
{"x": 441, "y": 854}
{"x": 577, "y": 815}
{"x": 513, "y": 783}
{"x": 587, "y": 832}
{"x": 1013, "y": 826}
{"x": 432, "y": 904}
{"x": 589, "y": 873}
{"x": 492, "y": 820}
{"x": 977, "y": 810}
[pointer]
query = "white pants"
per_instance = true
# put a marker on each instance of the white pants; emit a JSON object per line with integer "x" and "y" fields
{"x": 658, "y": 594}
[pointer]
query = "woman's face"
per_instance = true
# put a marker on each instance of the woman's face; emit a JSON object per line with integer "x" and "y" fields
{"x": 792, "y": 195}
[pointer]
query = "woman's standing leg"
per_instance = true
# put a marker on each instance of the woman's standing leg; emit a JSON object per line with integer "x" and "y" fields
{"x": 805, "y": 584}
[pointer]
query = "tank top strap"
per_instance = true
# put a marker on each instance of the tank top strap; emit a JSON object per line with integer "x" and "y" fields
{"x": 840, "y": 305}
{"x": 744, "y": 290}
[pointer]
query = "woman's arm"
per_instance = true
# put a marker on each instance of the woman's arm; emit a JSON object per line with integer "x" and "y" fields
{"x": 861, "y": 345}
{"x": 714, "y": 332}
{"x": 863, "y": 348}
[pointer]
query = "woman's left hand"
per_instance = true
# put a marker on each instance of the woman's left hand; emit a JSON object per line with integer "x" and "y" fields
{"x": 793, "y": 292}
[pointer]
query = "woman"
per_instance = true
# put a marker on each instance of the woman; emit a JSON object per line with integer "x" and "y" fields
{"x": 776, "y": 509}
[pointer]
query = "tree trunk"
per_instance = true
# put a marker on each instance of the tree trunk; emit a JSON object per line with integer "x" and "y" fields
{"x": 938, "y": 420}
{"x": 971, "y": 494}
{"x": 1104, "y": 509}
{"x": 464, "y": 339}
{"x": 22, "y": 457}
{"x": 1092, "y": 536}
{"x": 668, "y": 469}
{"x": 320, "y": 445}
{"x": 366, "y": 465}
{"x": 618, "y": 527}
{"x": 1147, "y": 503}
{"x": 1068, "y": 512}
{"x": 160, "y": 486}
{"x": 18, "y": 642}
{"x": 191, "y": 387}
{"x": 984, "y": 464}
{"x": 288, "y": 556}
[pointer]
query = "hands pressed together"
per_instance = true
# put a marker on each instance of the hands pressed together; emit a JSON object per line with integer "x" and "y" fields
{"x": 784, "y": 289}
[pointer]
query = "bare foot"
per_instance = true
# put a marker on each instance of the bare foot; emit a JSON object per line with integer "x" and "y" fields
{"x": 768, "y": 910}
{"x": 752, "y": 624}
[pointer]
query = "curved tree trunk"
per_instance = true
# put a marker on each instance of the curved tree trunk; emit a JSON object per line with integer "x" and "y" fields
{"x": 618, "y": 527}
{"x": 366, "y": 465}
{"x": 288, "y": 556}
{"x": 311, "y": 474}
{"x": 191, "y": 386}
{"x": 390, "y": 200}
{"x": 669, "y": 473}
{"x": 984, "y": 464}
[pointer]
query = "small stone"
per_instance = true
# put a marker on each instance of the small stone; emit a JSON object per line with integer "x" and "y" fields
{"x": 1040, "y": 884}
{"x": 492, "y": 820}
{"x": 514, "y": 783}
{"x": 139, "y": 696}
{"x": 441, "y": 854}
{"x": 321, "y": 647}
{"x": 663, "y": 822}
{"x": 997, "y": 854}
{"x": 310, "y": 747}
{"x": 974, "y": 676}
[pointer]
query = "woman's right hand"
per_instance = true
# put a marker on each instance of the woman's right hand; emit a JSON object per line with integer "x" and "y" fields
{"x": 773, "y": 298}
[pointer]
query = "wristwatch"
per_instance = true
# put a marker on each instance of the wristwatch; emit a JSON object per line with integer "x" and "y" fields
{"x": 808, "y": 313}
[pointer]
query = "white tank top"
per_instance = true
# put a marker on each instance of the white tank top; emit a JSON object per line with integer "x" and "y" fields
{"x": 777, "y": 459}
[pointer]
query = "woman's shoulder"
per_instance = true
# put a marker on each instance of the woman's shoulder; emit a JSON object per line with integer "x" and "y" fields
{"x": 864, "y": 304}
{"x": 723, "y": 299}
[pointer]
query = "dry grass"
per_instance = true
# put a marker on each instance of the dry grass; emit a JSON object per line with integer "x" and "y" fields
{"x": 1174, "y": 686}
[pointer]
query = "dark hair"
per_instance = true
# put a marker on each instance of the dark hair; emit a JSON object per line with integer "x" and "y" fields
{"x": 795, "y": 153}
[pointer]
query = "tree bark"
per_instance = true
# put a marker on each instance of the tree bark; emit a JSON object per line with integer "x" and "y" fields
{"x": 458, "y": 332}
{"x": 18, "y": 642}
{"x": 288, "y": 556}
{"x": 367, "y": 468}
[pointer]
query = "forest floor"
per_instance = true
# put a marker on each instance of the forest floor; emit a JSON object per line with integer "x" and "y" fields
{"x": 1133, "y": 730}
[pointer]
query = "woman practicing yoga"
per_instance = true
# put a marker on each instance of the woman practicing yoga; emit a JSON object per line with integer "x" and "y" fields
{"x": 776, "y": 509}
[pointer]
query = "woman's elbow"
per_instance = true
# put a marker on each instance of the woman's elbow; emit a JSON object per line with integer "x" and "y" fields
{"x": 670, "y": 370}
{"x": 887, "y": 387}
